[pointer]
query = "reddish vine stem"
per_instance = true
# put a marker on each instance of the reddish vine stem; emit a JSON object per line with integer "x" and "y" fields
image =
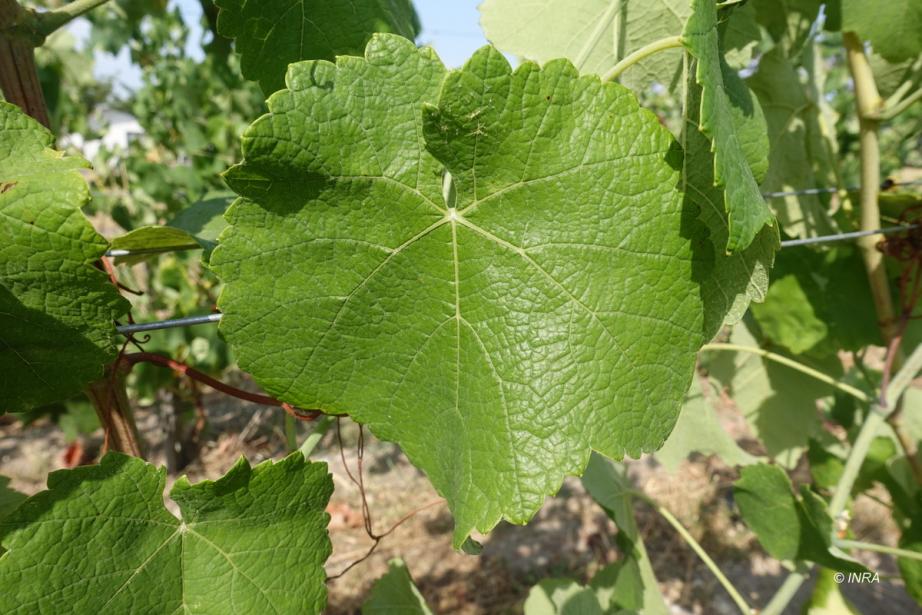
{"x": 366, "y": 512}
{"x": 194, "y": 374}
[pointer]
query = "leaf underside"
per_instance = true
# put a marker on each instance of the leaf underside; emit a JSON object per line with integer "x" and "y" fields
{"x": 56, "y": 308}
{"x": 100, "y": 541}
{"x": 731, "y": 117}
{"x": 271, "y": 34}
{"x": 497, "y": 341}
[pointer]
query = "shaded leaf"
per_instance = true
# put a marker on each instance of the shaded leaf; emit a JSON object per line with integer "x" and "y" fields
{"x": 561, "y": 597}
{"x": 892, "y": 27}
{"x": 698, "y": 430}
{"x": 395, "y": 594}
{"x": 253, "y": 541}
{"x": 9, "y": 498}
{"x": 502, "y": 333}
{"x": 789, "y": 528}
{"x": 56, "y": 308}
{"x": 148, "y": 241}
{"x": 204, "y": 221}
{"x": 731, "y": 117}
{"x": 631, "y": 584}
{"x": 271, "y": 34}
{"x": 827, "y": 599}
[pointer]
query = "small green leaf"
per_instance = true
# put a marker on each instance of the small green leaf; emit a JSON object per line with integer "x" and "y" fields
{"x": 203, "y": 220}
{"x": 148, "y": 241}
{"x": 271, "y": 34}
{"x": 892, "y": 27}
{"x": 561, "y": 284}
{"x": 254, "y": 541}
{"x": 787, "y": 527}
{"x": 732, "y": 119}
{"x": 593, "y": 34}
{"x": 395, "y": 594}
{"x": 789, "y": 22}
{"x": 632, "y": 585}
{"x": 56, "y": 308}
{"x": 561, "y": 597}
{"x": 698, "y": 430}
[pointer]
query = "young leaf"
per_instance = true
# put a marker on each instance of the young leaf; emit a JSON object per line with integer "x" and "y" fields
{"x": 497, "y": 340}
{"x": 204, "y": 221}
{"x": 56, "y": 308}
{"x": 148, "y": 241}
{"x": 731, "y": 117}
{"x": 698, "y": 430}
{"x": 271, "y": 34}
{"x": 738, "y": 278}
{"x": 893, "y": 28}
{"x": 395, "y": 594}
{"x": 632, "y": 585}
{"x": 593, "y": 34}
{"x": 252, "y": 542}
{"x": 789, "y": 528}
{"x": 827, "y": 599}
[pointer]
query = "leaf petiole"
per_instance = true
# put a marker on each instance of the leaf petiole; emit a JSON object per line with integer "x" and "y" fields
{"x": 644, "y": 52}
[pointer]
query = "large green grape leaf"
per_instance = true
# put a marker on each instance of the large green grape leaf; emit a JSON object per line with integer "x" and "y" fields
{"x": 56, "y": 308}
{"x": 790, "y": 528}
{"x": 271, "y": 34}
{"x": 893, "y": 27}
{"x": 799, "y": 152}
{"x": 497, "y": 340}
{"x": 737, "y": 278}
{"x": 698, "y": 430}
{"x": 100, "y": 541}
{"x": 593, "y": 34}
{"x": 395, "y": 594}
{"x": 731, "y": 117}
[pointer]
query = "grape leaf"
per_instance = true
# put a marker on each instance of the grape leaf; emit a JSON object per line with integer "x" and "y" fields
{"x": 740, "y": 36}
{"x": 593, "y": 34}
{"x": 146, "y": 242}
{"x": 799, "y": 152}
{"x": 911, "y": 570}
{"x": 731, "y": 117}
{"x": 271, "y": 34}
{"x": 100, "y": 540}
{"x": 632, "y": 585}
{"x": 9, "y": 498}
{"x": 819, "y": 303}
{"x": 778, "y": 403}
{"x": 789, "y": 528}
{"x": 395, "y": 594}
{"x": 788, "y": 22}
{"x": 737, "y": 278}
{"x": 562, "y": 597}
{"x": 496, "y": 340}
{"x": 204, "y": 220}
{"x": 698, "y": 430}
{"x": 56, "y": 308}
{"x": 892, "y": 27}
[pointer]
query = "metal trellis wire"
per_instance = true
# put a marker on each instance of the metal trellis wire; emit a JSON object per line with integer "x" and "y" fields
{"x": 886, "y": 185}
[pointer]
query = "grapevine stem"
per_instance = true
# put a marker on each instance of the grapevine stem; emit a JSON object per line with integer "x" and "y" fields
{"x": 642, "y": 53}
{"x": 870, "y": 546}
{"x": 698, "y": 549}
{"x": 890, "y": 112}
{"x": 786, "y": 592}
{"x": 783, "y": 360}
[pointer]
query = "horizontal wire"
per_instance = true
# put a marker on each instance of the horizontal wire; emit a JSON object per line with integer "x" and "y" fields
{"x": 845, "y": 236}
{"x": 213, "y": 318}
{"x": 885, "y": 185}
{"x": 168, "y": 324}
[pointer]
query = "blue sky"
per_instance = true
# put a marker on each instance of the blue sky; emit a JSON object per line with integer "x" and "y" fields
{"x": 451, "y": 27}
